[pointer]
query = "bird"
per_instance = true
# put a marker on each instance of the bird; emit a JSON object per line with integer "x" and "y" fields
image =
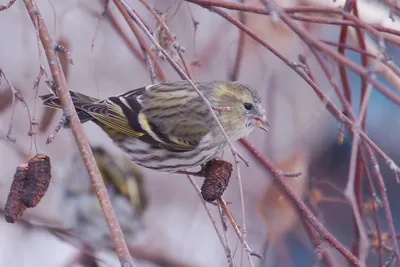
{"x": 81, "y": 212}
{"x": 167, "y": 127}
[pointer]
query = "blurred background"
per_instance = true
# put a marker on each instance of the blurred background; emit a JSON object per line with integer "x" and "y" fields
{"x": 173, "y": 224}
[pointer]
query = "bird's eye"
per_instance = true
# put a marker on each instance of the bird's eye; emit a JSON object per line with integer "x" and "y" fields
{"x": 248, "y": 106}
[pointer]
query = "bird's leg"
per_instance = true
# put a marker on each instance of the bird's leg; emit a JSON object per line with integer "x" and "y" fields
{"x": 198, "y": 174}
{"x": 202, "y": 173}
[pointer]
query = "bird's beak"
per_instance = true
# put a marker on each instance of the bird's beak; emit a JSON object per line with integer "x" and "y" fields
{"x": 262, "y": 124}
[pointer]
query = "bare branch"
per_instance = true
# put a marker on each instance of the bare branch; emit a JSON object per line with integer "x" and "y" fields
{"x": 7, "y": 5}
{"x": 80, "y": 137}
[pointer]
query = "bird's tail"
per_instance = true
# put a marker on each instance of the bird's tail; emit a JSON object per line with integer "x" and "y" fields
{"x": 79, "y": 100}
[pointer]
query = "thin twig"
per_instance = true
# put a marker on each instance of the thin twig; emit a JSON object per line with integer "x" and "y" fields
{"x": 114, "y": 23}
{"x": 301, "y": 207}
{"x": 80, "y": 137}
{"x": 7, "y": 5}
{"x": 244, "y": 229}
{"x": 225, "y": 230}
{"x": 60, "y": 124}
{"x": 319, "y": 245}
{"x": 147, "y": 53}
{"x": 342, "y": 68}
{"x": 15, "y": 95}
{"x": 358, "y": 182}
{"x": 179, "y": 49}
{"x": 150, "y": 67}
{"x": 385, "y": 201}
{"x": 293, "y": 12}
{"x": 312, "y": 41}
{"x": 386, "y": 66}
{"x": 203, "y": 202}
{"x": 367, "y": 145}
{"x": 235, "y": 226}
{"x": 349, "y": 189}
{"x": 240, "y": 50}
{"x": 233, "y": 77}
{"x": 374, "y": 209}
{"x": 145, "y": 48}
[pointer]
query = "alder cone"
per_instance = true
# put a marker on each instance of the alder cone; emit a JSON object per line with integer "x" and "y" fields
{"x": 14, "y": 208}
{"x": 38, "y": 180}
{"x": 217, "y": 173}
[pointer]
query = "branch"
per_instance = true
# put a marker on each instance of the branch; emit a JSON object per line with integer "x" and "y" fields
{"x": 80, "y": 137}
{"x": 340, "y": 59}
{"x": 203, "y": 202}
{"x": 15, "y": 95}
{"x": 367, "y": 145}
{"x": 235, "y": 226}
{"x": 7, "y": 5}
{"x": 349, "y": 190}
{"x": 301, "y": 207}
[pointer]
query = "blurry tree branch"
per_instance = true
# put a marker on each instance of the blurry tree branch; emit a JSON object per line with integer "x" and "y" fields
{"x": 7, "y": 5}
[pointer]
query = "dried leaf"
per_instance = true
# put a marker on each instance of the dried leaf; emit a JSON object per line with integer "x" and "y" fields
{"x": 276, "y": 209}
{"x": 162, "y": 37}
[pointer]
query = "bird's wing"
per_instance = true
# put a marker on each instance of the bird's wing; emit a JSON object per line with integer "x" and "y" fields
{"x": 161, "y": 114}
{"x": 139, "y": 114}
{"x": 111, "y": 117}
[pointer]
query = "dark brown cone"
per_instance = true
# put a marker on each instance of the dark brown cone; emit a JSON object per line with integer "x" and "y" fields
{"x": 217, "y": 173}
{"x": 37, "y": 183}
{"x": 14, "y": 208}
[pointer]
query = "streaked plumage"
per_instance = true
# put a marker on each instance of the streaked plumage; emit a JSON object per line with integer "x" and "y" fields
{"x": 167, "y": 126}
